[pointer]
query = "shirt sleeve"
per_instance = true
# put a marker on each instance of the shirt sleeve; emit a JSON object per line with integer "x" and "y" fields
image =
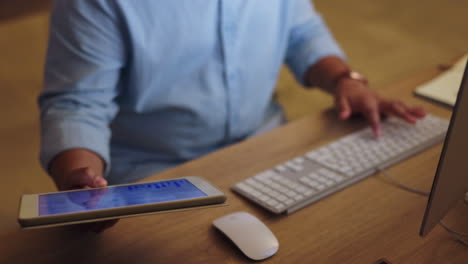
{"x": 84, "y": 58}
{"x": 309, "y": 39}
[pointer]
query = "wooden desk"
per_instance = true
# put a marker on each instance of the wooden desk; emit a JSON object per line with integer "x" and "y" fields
{"x": 361, "y": 224}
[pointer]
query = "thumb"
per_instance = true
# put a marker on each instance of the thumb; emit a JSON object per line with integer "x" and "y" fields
{"x": 85, "y": 177}
{"x": 344, "y": 108}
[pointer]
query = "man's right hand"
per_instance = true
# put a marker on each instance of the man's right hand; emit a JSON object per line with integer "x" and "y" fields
{"x": 87, "y": 178}
{"x": 80, "y": 169}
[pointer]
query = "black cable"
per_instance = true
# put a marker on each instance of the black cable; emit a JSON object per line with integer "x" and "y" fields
{"x": 458, "y": 235}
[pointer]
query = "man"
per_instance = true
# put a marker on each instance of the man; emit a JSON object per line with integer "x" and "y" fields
{"x": 134, "y": 87}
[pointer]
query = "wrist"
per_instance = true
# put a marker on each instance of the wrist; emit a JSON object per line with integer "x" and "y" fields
{"x": 350, "y": 75}
{"x": 326, "y": 72}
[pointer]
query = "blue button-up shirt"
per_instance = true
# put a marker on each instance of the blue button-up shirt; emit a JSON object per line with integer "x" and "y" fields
{"x": 149, "y": 84}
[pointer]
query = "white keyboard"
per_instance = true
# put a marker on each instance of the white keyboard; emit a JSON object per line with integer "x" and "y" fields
{"x": 303, "y": 180}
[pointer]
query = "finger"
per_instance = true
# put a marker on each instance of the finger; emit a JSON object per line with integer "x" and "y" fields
{"x": 372, "y": 114}
{"x": 398, "y": 109}
{"x": 99, "y": 181}
{"x": 374, "y": 119}
{"x": 344, "y": 108}
{"x": 96, "y": 227}
{"x": 101, "y": 226}
{"x": 417, "y": 112}
{"x": 81, "y": 228}
{"x": 86, "y": 177}
{"x": 402, "y": 111}
{"x": 409, "y": 117}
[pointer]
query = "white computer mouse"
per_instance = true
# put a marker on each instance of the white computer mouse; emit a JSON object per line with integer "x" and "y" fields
{"x": 249, "y": 234}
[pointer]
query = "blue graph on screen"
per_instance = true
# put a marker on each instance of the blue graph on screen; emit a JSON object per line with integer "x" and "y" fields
{"x": 118, "y": 196}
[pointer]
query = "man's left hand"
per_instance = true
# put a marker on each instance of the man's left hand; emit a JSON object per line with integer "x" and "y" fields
{"x": 355, "y": 97}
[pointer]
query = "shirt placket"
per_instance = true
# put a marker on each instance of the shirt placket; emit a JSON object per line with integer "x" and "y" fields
{"x": 228, "y": 28}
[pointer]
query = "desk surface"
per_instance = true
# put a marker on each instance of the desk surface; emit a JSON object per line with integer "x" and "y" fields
{"x": 361, "y": 224}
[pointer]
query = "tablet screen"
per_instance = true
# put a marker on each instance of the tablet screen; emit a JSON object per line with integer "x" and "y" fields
{"x": 117, "y": 196}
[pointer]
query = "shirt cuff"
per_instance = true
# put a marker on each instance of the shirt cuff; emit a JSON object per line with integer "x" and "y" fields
{"x": 57, "y": 137}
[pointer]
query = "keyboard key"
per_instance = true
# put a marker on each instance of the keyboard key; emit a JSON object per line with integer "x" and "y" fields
{"x": 272, "y": 202}
{"x": 290, "y": 193}
{"x": 293, "y": 166}
{"x": 257, "y": 185}
{"x": 320, "y": 187}
{"x": 281, "y": 198}
{"x": 299, "y": 160}
{"x": 274, "y": 185}
{"x": 264, "y": 175}
{"x": 280, "y": 168}
{"x": 298, "y": 197}
{"x": 301, "y": 189}
{"x": 244, "y": 187}
{"x": 274, "y": 194}
{"x": 283, "y": 189}
{"x": 280, "y": 207}
{"x": 255, "y": 193}
{"x": 313, "y": 183}
{"x": 251, "y": 181}
{"x": 304, "y": 180}
{"x": 267, "y": 190}
{"x": 313, "y": 175}
{"x": 338, "y": 178}
{"x": 263, "y": 198}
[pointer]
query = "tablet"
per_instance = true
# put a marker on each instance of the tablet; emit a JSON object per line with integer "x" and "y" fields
{"x": 97, "y": 204}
